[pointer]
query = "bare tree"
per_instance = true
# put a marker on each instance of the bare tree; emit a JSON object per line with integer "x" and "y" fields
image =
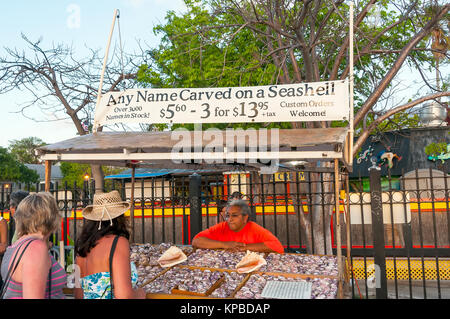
{"x": 64, "y": 85}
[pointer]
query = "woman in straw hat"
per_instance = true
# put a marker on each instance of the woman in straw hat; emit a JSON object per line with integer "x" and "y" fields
{"x": 28, "y": 269}
{"x": 103, "y": 248}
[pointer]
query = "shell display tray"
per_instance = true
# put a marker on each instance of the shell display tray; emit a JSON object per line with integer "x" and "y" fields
{"x": 193, "y": 278}
{"x": 322, "y": 287}
{"x": 178, "y": 291}
{"x": 320, "y": 265}
{"x": 195, "y": 282}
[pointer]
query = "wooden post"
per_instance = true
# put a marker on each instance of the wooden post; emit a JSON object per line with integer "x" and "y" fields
{"x": 48, "y": 174}
{"x": 348, "y": 227}
{"x": 351, "y": 115}
{"x": 62, "y": 257}
{"x": 338, "y": 230}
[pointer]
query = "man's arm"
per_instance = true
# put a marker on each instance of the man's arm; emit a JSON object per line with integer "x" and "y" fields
{"x": 258, "y": 247}
{"x": 206, "y": 243}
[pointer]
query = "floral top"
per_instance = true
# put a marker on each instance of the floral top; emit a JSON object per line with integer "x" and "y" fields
{"x": 97, "y": 286}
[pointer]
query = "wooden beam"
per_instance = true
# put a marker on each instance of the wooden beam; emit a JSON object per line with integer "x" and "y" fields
{"x": 212, "y": 157}
{"x": 48, "y": 174}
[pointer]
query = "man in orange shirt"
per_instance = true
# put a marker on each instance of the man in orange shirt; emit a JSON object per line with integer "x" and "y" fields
{"x": 238, "y": 233}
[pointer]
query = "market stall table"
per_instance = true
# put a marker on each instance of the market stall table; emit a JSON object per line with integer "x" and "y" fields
{"x": 211, "y": 273}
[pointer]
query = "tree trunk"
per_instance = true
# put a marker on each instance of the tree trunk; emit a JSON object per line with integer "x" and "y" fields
{"x": 97, "y": 174}
{"x": 321, "y": 204}
{"x": 305, "y": 224}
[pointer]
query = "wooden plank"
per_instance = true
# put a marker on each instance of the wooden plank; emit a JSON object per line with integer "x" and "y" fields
{"x": 48, "y": 174}
{"x": 213, "y": 287}
{"x": 158, "y": 141}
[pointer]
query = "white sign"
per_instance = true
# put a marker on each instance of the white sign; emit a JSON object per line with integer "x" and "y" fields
{"x": 318, "y": 101}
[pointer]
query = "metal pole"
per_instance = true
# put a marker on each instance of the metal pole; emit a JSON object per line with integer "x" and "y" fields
{"x": 99, "y": 93}
{"x": 378, "y": 232}
{"x": 196, "y": 204}
{"x": 338, "y": 230}
{"x": 347, "y": 222}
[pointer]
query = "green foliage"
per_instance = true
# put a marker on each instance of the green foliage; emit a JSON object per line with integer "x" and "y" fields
{"x": 12, "y": 170}
{"x": 400, "y": 120}
{"x": 23, "y": 150}
{"x": 73, "y": 173}
{"x": 213, "y": 58}
{"x": 204, "y": 58}
{"x": 110, "y": 170}
{"x": 435, "y": 149}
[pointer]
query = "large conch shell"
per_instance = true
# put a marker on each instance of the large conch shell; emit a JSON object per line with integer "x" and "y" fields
{"x": 172, "y": 256}
{"x": 250, "y": 262}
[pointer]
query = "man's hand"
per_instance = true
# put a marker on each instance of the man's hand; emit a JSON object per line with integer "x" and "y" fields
{"x": 234, "y": 246}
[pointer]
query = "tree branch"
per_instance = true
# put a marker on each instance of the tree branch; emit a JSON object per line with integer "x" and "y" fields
{"x": 365, "y": 134}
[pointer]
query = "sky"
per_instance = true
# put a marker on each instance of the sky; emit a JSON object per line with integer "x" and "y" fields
{"x": 80, "y": 23}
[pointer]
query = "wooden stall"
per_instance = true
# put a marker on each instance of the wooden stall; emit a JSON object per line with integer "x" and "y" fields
{"x": 154, "y": 149}
{"x": 259, "y": 149}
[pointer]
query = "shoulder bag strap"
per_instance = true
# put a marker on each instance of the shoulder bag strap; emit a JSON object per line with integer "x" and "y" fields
{"x": 50, "y": 280}
{"x": 13, "y": 266}
{"x": 111, "y": 254}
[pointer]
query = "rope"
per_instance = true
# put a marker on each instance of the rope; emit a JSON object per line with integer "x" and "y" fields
{"x": 105, "y": 209}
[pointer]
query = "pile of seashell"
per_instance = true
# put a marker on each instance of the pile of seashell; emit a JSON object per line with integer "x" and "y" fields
{"x": 301, "y": 264}
{"x": 146, "y": 273}
{"x": 214, "y": 258}
{"x": 232, "y": 281}
{"x": 146, "y": 256}
{"x": 322, "y": 288}
{"x": 193, "y": 280}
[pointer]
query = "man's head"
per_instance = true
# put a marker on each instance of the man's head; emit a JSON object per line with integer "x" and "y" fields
{"x": 237, "y": 215}
{"x": 235, "y": 196}
{"x": 15, "y": 199}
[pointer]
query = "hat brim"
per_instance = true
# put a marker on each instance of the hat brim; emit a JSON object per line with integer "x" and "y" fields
{"x": 114, "y": 211}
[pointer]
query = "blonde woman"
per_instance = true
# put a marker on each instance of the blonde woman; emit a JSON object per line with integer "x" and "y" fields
{"x": 28, "y": 269}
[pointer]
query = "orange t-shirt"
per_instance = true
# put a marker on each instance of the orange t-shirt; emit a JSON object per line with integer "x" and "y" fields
{"x": 252, "y": 233}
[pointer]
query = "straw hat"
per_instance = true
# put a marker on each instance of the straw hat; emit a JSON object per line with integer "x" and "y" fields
{"x": 105, "y": 206}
